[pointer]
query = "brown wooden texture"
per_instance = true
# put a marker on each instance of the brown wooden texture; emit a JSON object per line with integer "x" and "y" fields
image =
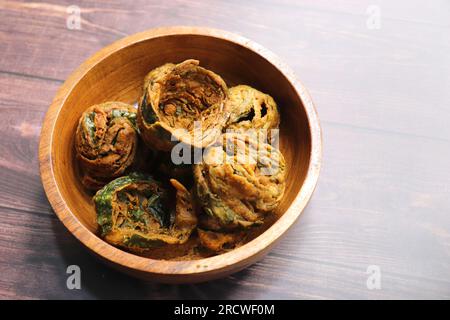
{"x": 382, "y": 96}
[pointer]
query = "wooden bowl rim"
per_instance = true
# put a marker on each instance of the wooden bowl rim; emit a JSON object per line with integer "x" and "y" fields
{"x": 164, "y": 267}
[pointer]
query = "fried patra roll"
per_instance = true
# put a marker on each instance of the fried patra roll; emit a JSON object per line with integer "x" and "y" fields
{"x": 251, "y": 109}
{"x": 106, "y": 142}
{"x": 183, "y": 101}
{"x": 239, "y": 181}
{"x": 137, "y": 213}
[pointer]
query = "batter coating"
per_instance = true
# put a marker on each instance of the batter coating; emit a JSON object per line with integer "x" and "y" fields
{"x": 106, "y": 142}
{"x": 176, "y": 96}
{"x": 136, "y": 212}
{"x": 239, "y": 181}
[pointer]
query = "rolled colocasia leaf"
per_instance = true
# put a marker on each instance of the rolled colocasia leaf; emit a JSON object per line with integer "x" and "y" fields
{"x": 137, "y": 213}
{"x": 182, "y": 102}
{"x": 239, "y": 181}
{"x": 106, "y": 142}
{"x": 251, "y": 109}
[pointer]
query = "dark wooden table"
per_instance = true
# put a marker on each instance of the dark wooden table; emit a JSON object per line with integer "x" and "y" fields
{"x": 379, "y": 72}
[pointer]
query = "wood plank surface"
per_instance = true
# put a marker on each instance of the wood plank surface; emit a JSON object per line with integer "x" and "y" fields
{"x": 384, "y": 102}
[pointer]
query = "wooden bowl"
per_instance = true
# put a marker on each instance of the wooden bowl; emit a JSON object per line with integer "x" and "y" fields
{"x": 116, "y": 73}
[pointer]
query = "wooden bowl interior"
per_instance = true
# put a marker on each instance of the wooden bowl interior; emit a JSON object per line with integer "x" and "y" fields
{"x": 119, "y": 77}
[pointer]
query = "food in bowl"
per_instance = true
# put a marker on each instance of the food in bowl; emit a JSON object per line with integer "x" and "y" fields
{"x": 251, "y": 109}
{"x": 189, "y": 209}
{"x": 136, "y": 212}
{"x": 106, "y": 141}
{"x": 176, "y": 97}
{"x": 236, "y": 192}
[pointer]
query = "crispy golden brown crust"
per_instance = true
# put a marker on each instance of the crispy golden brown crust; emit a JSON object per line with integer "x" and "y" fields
{"x": 106, "y": 142}
{"x": 175, "y": 96}
{"x": 237, "y": 188}
{"x": 251, "y": 109}
{"x": 218, "y": 241}
{"x": 137, "y": 213}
